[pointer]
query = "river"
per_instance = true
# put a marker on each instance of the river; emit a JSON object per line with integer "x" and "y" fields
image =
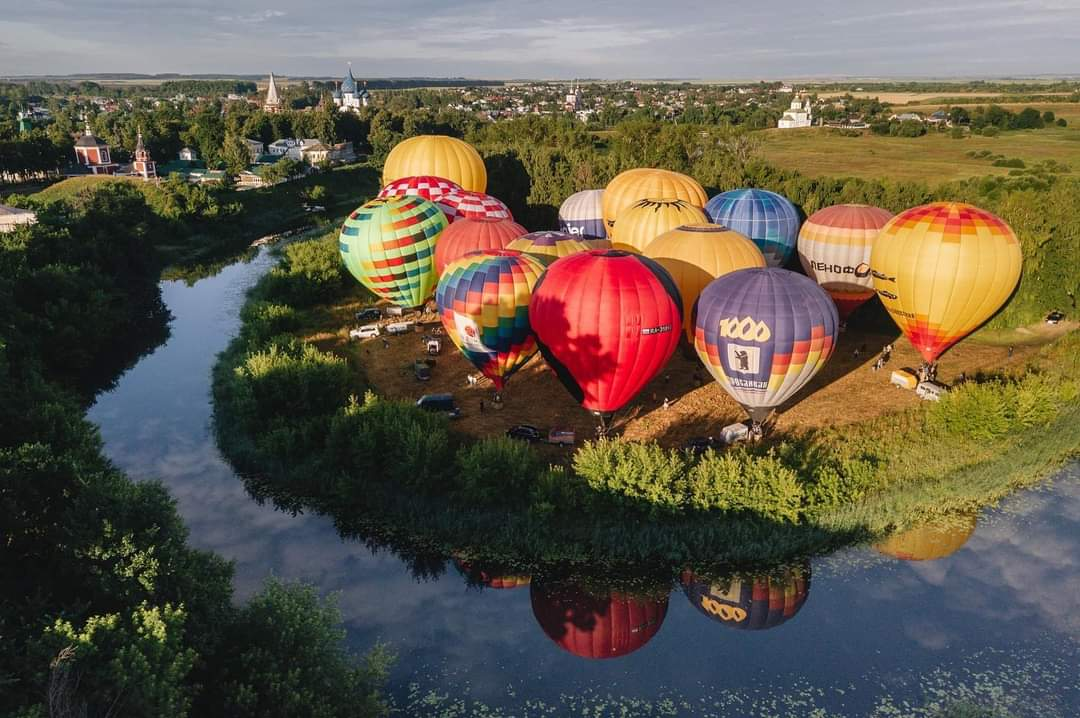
{"x": 997, "y": 621}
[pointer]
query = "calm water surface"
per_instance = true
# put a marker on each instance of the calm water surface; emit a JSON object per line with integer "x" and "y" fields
{"x": 997, "y": 621}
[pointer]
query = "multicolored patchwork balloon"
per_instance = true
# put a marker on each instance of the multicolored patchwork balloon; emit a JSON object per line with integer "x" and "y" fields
{"x": 388, "y": 245}
{"x": 943, "y": 269}
{"x": 767, "y": 218}
{"x": 462, "y": 204}
{"x": 834, "y": 248}
{"x": 763, "y": 334}
{"x": 472, "y": 235}
{"x": 483, "y": 303}
{"x": 548, "y": 246}
{"x": 750, "y": 602}
{"x": 426, "y": 186}
{"x": 582, "y": 215}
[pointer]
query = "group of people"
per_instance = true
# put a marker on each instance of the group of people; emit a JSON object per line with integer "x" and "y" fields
{"x": 886, "y": 353}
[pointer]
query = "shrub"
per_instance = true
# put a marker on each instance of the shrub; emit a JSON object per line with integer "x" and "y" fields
{"x": 1061, "y": 122}
{"x": 990, "y": 131}
{"x": 635, "y": 474}
{"x": 957, "y": 133}
{"x": 1013, "y": 162}
{"x": 310, "y": 272}
{"x": 988, "y": 410}
{"x": 262, "y": 321}
{"x": 736, "y": 480}
{"x": 496, "y": 470}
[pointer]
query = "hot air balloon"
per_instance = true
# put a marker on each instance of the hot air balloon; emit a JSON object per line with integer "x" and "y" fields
{"x": 606, "y": 321}
{"x": 591, "y": 626}
{"x": 582, "y": 215}
{"x": 491, "y": 576}
{"x": 483, "y": 303}
{"x": 769, "y": 219}
{"x": 388, "y": 244}
{"x": 943, "y": 269}
{"x": 762, "y": 334}
{"x": 471, "y": 235}
{"x": 647, "y": 219}
{"x": 930, "y": 541}
{"x": 630, "y": 186}
{"x": 750, "y": 602}
{"x": 437, "y": 155}
{"x": 834, "y": 248}
{"x": 461, "y": 204}
{"x": 426, "y": 186}
{"x": 548, "y": 246}
{"x": 696, "y": 254}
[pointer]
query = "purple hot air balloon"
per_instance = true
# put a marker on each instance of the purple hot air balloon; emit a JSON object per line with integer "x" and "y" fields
{"x": 763, "y": 333}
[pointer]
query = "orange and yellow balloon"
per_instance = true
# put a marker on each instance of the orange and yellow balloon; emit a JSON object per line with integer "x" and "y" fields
{"x": 942, "y": 269}
{"x": 641, "y": 183}
{"x": 696, "y": 254}
{"x": 437, "y": 155}
{"x": 646, "y": 219}
{"x": 834, "y": 248}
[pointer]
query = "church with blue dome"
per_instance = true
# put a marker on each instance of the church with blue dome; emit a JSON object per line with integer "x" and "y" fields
{"x": 349, "y": 95}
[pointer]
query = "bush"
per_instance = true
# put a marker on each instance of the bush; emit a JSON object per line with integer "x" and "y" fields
{"x": 496, "y": 470}
{"x": 735, "y": 480}
{"x": 310, "y": 272}
{"x": 1013, "y": 162}
{"x": 990, "y": 131}
{"x": 957, "y": 133}
{"x": 639, "y": 475}
{"x": 261, "y": 321}
{"x": 989, "y": 410}
{"x": 292, "y": 662}
{"x": 1061, "y": 122}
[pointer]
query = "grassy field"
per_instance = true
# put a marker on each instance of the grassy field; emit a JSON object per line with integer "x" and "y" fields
{"x": 933, "y": 158}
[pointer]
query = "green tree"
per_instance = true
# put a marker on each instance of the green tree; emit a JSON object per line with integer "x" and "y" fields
{"x": 235, "y": 155}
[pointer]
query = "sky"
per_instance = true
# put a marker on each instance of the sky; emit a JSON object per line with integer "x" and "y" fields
{"x": 608, "y": 39}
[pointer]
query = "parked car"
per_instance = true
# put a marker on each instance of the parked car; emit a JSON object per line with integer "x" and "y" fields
{"x": 421, "y": 370}
{"x": 563, "y": 437}
{"x": 734, "y": 432}
{"x": 395, "y": 312}
{"x": 931, "y": 390}
{"x": 1054, "y": 317}
{"x": 443, "y": 403}
{"x": 904, "y": 378}
{"x": 364, "y": 332}
{"x": 524, "y": 432}
{"x": 700, "y": 444}
{"x": 369, "y": 314}
{"x": 398, "y": 328}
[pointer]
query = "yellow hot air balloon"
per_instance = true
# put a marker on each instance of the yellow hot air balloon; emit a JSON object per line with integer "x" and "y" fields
{"x": 943, "y": 269}
{"x": 696, "y": 254}
{"x": 630, "y": 186}
{"x": 439, "y": 156}
{"x": 647, "y": 219}
{"x": 930, "y": 541}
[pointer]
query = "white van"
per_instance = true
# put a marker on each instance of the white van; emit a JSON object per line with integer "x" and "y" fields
{"x": 734, "y": 432}
{"x": 365, "y": 332}
{"x": 931, "y": 390}
{"x": 398, "y": 328}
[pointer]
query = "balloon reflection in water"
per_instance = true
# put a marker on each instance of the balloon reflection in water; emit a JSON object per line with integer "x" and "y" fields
{"x": 752, "y": 602}
{"x": 930, "y": 541}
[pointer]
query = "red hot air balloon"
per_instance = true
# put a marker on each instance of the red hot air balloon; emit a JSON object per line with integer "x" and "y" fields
{"x": 606, "y": 321}
{"x": 596, "y": 626}
{"x": 472, "y": 235}
{"x": 426, "y": 186}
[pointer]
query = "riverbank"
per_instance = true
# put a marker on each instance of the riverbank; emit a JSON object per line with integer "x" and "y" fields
{"x": 383, "y": 469}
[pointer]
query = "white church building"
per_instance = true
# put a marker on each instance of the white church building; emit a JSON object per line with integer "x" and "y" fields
{"x": 350, "y": 97}
{"x": 798, "y": 115}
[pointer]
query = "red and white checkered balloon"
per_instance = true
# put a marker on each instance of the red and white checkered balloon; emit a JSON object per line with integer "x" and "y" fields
{"x": 426, "y": 186}
{"x": 460, "y": 203}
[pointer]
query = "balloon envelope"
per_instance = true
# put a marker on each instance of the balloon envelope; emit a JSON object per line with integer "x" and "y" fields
{"x": 461, "y": 204}
{"x": 582, "y": 214}
{"x": 483, "y": 303}
{"x": 642, "y": 183}
{"x": 606, "y": 322}
{"x": 696, "y": 254}
{"x": 438, "y": 155}
{"x": 596, "y": 626}
{"x": 770, "y": 220}
{"x": 943, "y": 269}
{"x": 388, "y": 245}
{"x": 763, "y": 334}
{"x": 647, "y": 219}
{"x": 472, "y": 235}
{"x": 426, "y": 186}
{"x": 930, "y": 541}
{"x": 750, "y": 602}
{"x": 491, "y": 576}
{"x": 549, "y": 246}
{"x": 834, "y": 249}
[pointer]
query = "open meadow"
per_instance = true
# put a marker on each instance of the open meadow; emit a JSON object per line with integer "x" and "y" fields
{"x": 933, "y": 158}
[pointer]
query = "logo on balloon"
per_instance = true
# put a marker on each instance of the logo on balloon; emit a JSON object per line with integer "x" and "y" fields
{"x": 746, "y": 360}
{"x": 721, "y": 610}
{"x": 747, "y": 329}
{"x": 861, "y": 271}
{"x": 662, "y": 329}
